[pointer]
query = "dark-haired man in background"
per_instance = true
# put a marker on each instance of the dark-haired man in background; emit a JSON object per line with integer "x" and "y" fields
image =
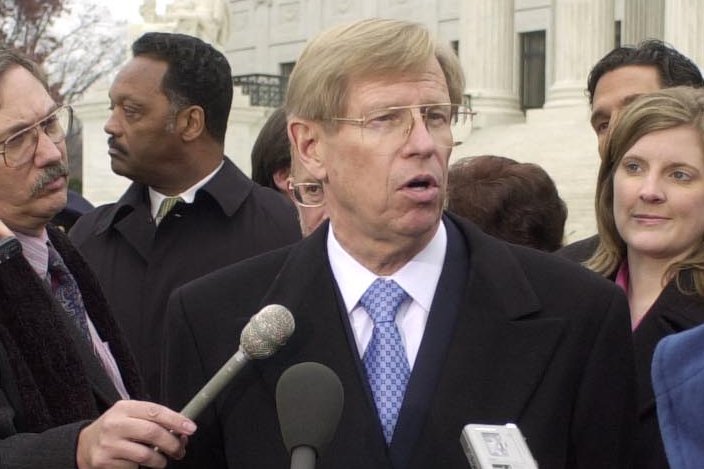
{"x": 190, "y": 210}
{"x": 271, "y": 157}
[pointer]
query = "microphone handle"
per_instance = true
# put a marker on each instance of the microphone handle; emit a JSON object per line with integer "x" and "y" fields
{"x": 303, "y": 457}
{"x": 207, "y": 394}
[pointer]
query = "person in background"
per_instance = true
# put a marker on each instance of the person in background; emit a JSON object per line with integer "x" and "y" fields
{"x": 307, "y": 193}
{"x": 189, "y": 209}
{"x": 517, "y": 202}
{"x": 650, "y": 194}
{"x": 429, "y": 323}
{"x": 619, "y": 77}
{"x": 275, "y": 165}
{"x": 271, "y": 160}
{"x": 68, "y": 383}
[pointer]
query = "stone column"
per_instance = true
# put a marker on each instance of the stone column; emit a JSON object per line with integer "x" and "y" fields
{"x": 642, "y": 19}
{"x": 583, "y": 32}
{"x": 683, "y": 28}
{"x": 487, "y": 52}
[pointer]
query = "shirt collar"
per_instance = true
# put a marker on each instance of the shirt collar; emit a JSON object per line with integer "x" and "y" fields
{"x": 419, "y": 277}
{"x": 36, "y": 251}
{"x": 622, "y": 276}
{"x": 188, "y": 196}
{"x": 228, "y": 188}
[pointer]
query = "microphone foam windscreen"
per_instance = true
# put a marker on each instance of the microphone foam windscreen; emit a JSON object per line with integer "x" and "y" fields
{"x": 267, "y": 331}
{"x": 309, "y": 399}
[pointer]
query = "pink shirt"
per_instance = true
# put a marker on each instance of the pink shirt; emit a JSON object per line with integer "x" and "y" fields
{"x": 622, "y": 281}
{"x": 35, "y": 250}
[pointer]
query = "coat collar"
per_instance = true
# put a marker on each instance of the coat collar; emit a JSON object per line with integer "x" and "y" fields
{"x": 229, "y": 188}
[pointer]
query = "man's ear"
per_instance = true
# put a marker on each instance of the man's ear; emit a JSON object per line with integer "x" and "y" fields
{"x": 191, "y": 122}
{"x": 304, "y": 136}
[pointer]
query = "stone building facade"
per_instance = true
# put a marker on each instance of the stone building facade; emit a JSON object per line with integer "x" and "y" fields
{"x": 526, "y": 64}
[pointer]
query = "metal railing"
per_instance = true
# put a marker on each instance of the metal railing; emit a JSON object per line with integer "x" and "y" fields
{"x": 263, "y": 90}
{"x": 269, "y": 90}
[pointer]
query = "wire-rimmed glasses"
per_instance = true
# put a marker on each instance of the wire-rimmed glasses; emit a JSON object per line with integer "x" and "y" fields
{"x": 19, "y": 148}
{"x": 388, "y": 129}
{"x": 307, "y": 194}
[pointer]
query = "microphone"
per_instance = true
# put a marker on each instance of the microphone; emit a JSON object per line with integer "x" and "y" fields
{"x": 262, "y": 337}
{"x": 492, "y": 446}
{"x": 309, "y": 399}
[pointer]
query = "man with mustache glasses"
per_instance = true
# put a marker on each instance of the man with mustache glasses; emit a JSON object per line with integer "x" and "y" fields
{"x": 66, "y": 374}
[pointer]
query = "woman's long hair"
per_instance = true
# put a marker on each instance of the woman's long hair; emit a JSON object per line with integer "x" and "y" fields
{"x": 662, "y": 110}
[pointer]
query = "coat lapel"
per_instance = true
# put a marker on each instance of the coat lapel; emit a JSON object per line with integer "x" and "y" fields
{"x": 496, "y": 324}
{"x": 132, "y": 218}
{"x": 306, "y": 286}
{"x": 671, "y": 313}
{"x": 433, "y": 349}
{"x": 138, "y": 230}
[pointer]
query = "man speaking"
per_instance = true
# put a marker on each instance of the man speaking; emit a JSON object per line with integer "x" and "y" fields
{"x": 429, "y": 323}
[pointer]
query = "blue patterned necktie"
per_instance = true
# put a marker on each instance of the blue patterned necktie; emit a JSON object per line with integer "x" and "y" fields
{"x": 65, "y": 290}
{"x": 385, "y": 358}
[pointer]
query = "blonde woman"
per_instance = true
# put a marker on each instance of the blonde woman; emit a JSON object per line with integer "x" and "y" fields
{"x": 650, "y": 215}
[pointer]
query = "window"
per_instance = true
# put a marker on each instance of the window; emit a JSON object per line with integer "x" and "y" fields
{"x": 286, "y": 68}
{"x": 532, "y": 70}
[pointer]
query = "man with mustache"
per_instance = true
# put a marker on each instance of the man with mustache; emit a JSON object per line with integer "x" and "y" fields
{"x": 66, "y": 373}
{"x": 170, "y": 106}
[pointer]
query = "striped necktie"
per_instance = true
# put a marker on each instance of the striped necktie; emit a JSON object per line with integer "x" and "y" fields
{"x": 166, "y": 205}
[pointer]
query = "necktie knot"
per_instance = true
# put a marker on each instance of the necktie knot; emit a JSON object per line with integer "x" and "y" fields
{"x": 166, "y": 205}
{"x": 382, "y": 299}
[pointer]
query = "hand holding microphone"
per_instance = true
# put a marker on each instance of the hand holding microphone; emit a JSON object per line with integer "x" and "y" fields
{"x": 263, "y": 335}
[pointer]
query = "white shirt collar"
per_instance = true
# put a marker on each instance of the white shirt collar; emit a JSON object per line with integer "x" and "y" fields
{"x": 188, "y": 196}
{"x": 419, "y": 277}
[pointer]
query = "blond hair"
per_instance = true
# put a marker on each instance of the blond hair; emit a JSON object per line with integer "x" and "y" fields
{"x": 662, "y": 110}
{"x": 318, "y": 85}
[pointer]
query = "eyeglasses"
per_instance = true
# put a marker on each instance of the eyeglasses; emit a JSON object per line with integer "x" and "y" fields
{"x": 307, "y": 194}
{"x": 388, "y": 129}
{"x": 19, "y": 148}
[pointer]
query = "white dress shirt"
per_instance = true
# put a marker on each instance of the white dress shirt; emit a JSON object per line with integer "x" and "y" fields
{"x": 419, "y": 278}
{"x": 188, "y": 196}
